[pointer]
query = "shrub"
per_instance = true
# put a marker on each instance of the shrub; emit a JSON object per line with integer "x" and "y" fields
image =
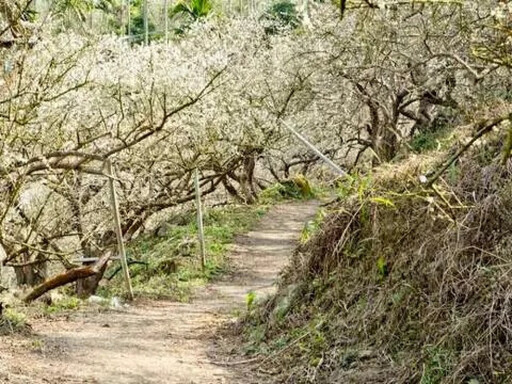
{"x": 281, "y": 15}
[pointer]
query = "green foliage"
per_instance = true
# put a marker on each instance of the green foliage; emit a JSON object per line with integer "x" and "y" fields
{"x": 505, "y": 94}
{"x": 137, "y": 23}
{"x": 80, "y": 9}
{"x": 382, "y": 267}
{"x": 194, "y": 9}
{"x": 188, "y": 12}
{"x": 171, "y": 263}
{"x": 13, "y": 321}
{"x": 304, "y": 186}
{"x": 312, "y": 226}
{"x": 382, "y": 201}
{"x": 255, "y": 338}
{"x": 358, "y": 185}
{"x": 507, "y": 148}
{"x": 437, "y": 136}
{"x": 67, "y": 303}
{"x": 250, "y": 298}
{"x": 298, "y": 187}
{"x": 426, "y": 141}
{"x": 281, "y": 15}
{"x": 453, "y": 173}
{"x": 437, "y": 365}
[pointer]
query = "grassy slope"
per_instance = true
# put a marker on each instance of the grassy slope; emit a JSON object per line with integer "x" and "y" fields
{"x": 401, "y": 284}
{"x": 172, "y": 259}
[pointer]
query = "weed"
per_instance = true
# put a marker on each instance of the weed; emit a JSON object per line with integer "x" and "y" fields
{"x": 67, "y": 303}
{"x": 13, "y": 321}
{"x": 250, "y": 299}
{"x": 437, "y": 365}
{"x": 432, "y": 139}
{"x": 280, "y": 15}
{"x": 37, "y": 345}
{"x": 255, "y": 339}
{"x": 382, "y": 267}
{"x": 356, "y": 185}
{"x": 312, "y": 226}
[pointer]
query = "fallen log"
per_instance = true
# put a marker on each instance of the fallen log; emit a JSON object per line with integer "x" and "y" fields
{"x": 67, "y": 277}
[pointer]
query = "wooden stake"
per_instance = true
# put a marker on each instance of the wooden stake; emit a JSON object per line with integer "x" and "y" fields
{"x": 117, "y": 225}
{"x": 3, "y": 256}
{"x": 200, "y": 228}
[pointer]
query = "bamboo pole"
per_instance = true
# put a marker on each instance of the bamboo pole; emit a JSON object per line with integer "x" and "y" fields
{"x": 200, "y": 227}
{"x": 146, "y": 21}
{"x": 166, "y": 20}
{"x": 117, "y": 225}
{"x": 129, "y": 31}
{"x": 123, "y": 16}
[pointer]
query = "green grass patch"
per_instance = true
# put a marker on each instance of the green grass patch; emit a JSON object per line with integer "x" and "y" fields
{"x": 13, "y": 321}
{"x": 170, "y": 263}
{"x": 430, "y": 140}
{"x": 438, "y": 364}
{"x": 67, "y": 303}
{"x": 312, "y": 226}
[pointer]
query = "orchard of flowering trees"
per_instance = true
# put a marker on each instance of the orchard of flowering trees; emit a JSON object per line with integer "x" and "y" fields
{"x": 217, "y": 97}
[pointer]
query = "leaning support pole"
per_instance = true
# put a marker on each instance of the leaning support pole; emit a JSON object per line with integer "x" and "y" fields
{"x": 117, "y": 225}
{"x": 200, "y": 227}
{"x": 328, "y": 161}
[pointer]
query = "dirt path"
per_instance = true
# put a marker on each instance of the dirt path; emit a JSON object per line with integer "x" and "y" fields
{"x": 157, "y": 341}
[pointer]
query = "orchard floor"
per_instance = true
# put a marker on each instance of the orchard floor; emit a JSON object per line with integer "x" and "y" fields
{"x": 160, "y": 341}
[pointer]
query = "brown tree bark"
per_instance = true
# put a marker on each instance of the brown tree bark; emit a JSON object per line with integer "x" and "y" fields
{"x": 68, "y": 277}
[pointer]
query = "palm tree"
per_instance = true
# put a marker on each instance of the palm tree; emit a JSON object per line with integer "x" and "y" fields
{"x": 191, "y": 11}
{"x": 78, "y": 10}
{"x": 74, "y": 9}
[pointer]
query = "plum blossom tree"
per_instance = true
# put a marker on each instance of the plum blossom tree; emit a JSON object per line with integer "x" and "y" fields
{"x": 217, "y": 99}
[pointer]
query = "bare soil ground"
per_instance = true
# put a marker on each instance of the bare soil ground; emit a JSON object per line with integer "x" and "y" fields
{"x": 159, "y": 341}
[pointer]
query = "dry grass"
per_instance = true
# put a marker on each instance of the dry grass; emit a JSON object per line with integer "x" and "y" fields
{"x": 404, "y": 284}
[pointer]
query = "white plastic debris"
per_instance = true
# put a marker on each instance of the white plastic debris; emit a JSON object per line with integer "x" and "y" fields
{"x": 97, "y": 300}
{"x": 115, "y": 302}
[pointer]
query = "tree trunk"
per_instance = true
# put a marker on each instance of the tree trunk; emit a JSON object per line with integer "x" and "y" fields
{"x": 87, "y": 286}
{"x": 249, "y": 165}
{"x": 31, "y": 273}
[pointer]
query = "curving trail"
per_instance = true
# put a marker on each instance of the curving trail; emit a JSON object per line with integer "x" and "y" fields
{"x": 158, "y": 341}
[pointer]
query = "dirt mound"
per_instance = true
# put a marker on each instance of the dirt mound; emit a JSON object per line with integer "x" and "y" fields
{"x": 402, "y": 283}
